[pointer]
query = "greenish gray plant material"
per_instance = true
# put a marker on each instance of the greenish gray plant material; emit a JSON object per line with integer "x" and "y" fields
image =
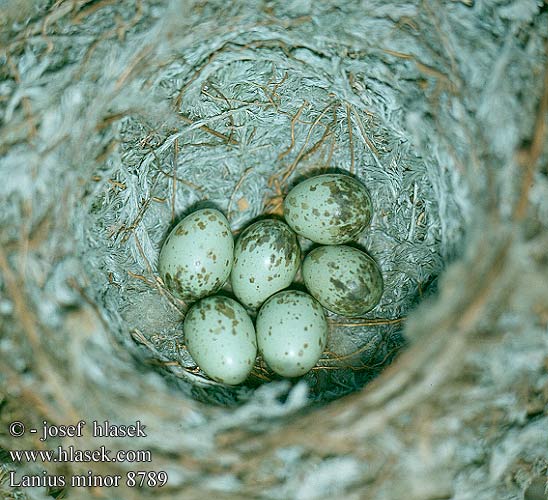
{"x": 118, "y": 118}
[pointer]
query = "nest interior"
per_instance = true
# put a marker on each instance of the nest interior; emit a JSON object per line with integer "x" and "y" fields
{"x": 119, "y": 119}
{"x": 255, "y": 115}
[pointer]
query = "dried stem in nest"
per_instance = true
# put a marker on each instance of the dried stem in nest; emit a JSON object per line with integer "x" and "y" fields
{"x": 236, "y": 188}
{"x": 528, "y": 157}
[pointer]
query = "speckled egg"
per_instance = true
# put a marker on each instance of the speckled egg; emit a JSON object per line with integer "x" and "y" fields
{"x": 266, "y": 258}
{"x": 343, "y": 279}
{"x": 197, "y": 256}
{"x": 330, "y": 209}
{"x": 291, "y": 332}
{"x": 221, "y": 339}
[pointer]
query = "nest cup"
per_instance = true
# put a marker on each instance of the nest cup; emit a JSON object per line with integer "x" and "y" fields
{"x": 172, "y": 112}
{"x": 247, "y": 122}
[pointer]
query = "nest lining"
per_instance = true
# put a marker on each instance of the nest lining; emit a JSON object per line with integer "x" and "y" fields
{"x": 245, "y": 121}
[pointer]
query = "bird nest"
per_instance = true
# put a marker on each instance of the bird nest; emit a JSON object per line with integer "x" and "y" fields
{"x": 244, "y": 138}
{"x": 119, "y": 119}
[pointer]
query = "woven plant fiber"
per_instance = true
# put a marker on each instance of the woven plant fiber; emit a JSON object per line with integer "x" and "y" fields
{"x": 119, "y": 118}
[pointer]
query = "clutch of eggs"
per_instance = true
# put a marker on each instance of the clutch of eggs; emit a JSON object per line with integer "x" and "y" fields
{"x": 199, "y": 256}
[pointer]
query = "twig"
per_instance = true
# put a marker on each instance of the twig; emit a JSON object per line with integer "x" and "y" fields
{"x": 27, "y": 107}
{"x": 366, "y": 139}
{"x": 238, "y": 185}
{"x": 94, "y": 7}
{"x": 230, "y": 117}
{"x": 351, "y": 142}
{"x": 528, "y": 157}
{"x": 179, "y": 179}
{"x": 326, "y": 134}
{"x": 372, "y": 322}
{"x": 142, "y": 54}
{"x": 292, "y": 167}
{"x": 209, "y": 130}
{"x": 413, "y": 210}
{"x": 174, "y": 178}
{"x": 293, "y": 121}
{"x": 140, "y": 277}
{"x": 331, "y": 150}
{"x": 363, "y": 366}
{"x": 157, "y": 283}
{"x": 424, "y": 68}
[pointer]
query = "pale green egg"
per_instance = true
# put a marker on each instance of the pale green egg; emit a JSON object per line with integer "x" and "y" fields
{"x": 266, "y": 258}
{"x": 291, "y": 332}
{"x": 220, "y": 337}
{"x": 197, "y": 256}
{"x": 343, "y": 279}
{"x": 329, "y": 209}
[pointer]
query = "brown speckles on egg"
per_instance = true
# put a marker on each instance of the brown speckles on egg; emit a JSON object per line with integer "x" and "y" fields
{"x": 198, "y": 258}
{"x": 338, "y": 284}
{"x": 225, "y": 308}
{"x": 343, "y": 279}
{"x": 227, "y": 353}
{"x": 290, "y": 337}
{"x": 329, "y": 209}
{"x": 267, "y": 256}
